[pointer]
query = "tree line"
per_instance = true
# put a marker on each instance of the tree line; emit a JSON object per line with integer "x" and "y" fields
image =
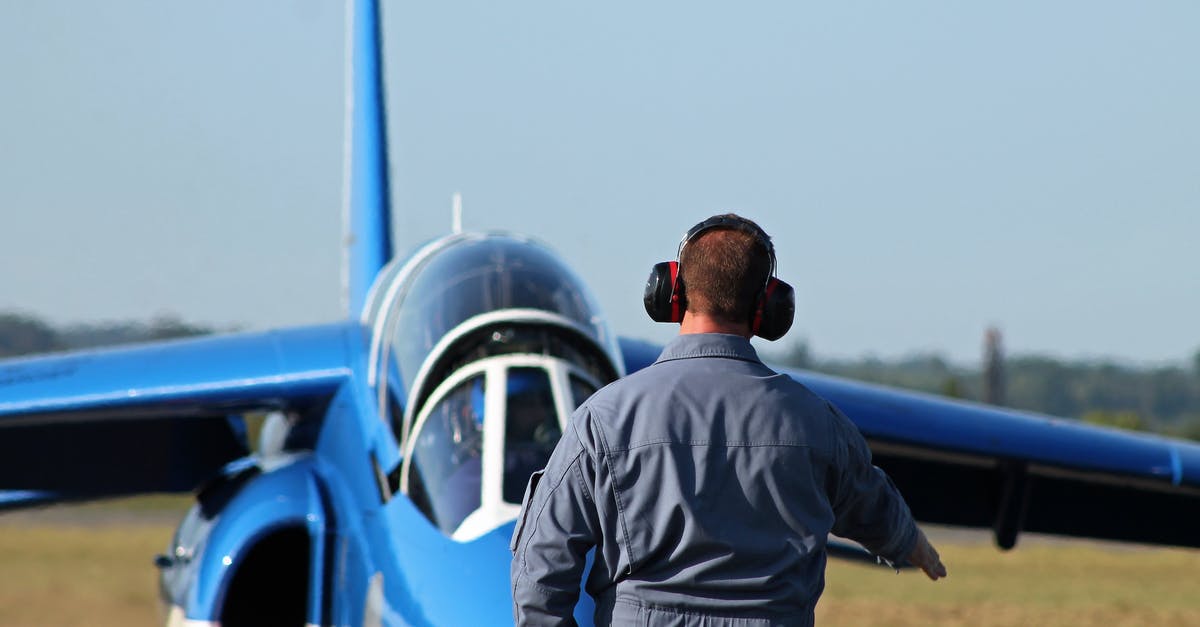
{"x": 25, "y": 334}
{"x": 1159, "y": 398}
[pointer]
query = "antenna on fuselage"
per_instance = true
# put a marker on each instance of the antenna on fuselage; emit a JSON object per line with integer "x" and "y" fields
{"x": 456, "y": 212}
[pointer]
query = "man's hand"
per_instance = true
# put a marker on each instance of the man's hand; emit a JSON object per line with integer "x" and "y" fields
{"x": 925, "y": 557}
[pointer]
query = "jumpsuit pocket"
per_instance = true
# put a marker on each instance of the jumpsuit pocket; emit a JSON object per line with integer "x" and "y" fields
{"x": 530, "y": 488}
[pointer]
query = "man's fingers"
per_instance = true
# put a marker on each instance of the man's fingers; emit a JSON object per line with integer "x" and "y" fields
{"x": 926, "y": 557}
{"x": 933, "y": 567}
{"x": 931, "y": 562}
{"x": 935, "y": 571}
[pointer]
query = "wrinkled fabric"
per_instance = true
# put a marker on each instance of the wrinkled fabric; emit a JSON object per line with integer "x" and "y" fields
{"x": 707, "y": 484}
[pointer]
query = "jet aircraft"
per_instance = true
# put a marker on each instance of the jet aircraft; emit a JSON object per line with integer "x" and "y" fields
{"x": 399, "y": 440}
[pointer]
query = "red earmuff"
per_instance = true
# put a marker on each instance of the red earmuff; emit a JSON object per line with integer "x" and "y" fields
{"x": 663, "y": 296}
{"x": 774, "y": 309}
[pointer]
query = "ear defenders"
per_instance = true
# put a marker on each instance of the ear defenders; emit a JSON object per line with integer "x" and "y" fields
{"x": 774, "y": 308}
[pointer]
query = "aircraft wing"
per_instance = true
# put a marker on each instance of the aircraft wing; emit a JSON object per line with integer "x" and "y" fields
{"x": 973, "y": 465}
{"x": 155, "y": 417}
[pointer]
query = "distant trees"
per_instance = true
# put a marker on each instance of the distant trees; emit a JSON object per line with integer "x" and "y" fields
{"x": 799, "y": 355}
{"x": 23, "y": 334}
{"x": 1164, "y": 399}
{"x": 1127, "y": 420}
{"x": 1189, "y": 428}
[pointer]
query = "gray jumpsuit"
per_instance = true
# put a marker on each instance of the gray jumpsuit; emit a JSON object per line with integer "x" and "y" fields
{"x": 707, "y": 484}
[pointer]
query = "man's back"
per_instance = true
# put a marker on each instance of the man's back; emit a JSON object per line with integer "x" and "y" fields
{"x": 706, "y": 483}
{"x": 715, "y": 482}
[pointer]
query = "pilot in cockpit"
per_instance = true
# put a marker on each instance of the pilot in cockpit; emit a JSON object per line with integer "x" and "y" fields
{"x": 450, "y": 447}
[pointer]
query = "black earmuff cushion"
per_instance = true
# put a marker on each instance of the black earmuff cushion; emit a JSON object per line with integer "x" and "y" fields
{"x": 659, "y": 295}
{"x": 776, "y": 311}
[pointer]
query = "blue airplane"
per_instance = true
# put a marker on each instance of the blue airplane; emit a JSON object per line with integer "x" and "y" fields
{"x": 397, "y": 443}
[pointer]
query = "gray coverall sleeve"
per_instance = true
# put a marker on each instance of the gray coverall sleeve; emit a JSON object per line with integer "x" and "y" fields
{"x": 867, "y": 506}
{"x": 557, "y": 526}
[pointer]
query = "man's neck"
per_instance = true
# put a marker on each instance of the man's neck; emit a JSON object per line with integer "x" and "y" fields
{"x": 703, "y": 323}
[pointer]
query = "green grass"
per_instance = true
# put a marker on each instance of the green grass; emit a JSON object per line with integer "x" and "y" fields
{"x": 92, "y": 565}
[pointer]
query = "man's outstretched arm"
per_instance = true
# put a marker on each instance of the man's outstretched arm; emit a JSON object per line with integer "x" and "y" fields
{"x": 870, "y": 510}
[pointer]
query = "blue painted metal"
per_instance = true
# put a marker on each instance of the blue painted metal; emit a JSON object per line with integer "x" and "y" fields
{"x": 367, "y": 221}
{"x": 962, "y": 427}
{"x": 289, "y": 496}
{"x": 15, "y": 499}
{"x": 179, "y": 376}
{"x": 638, "y": 353}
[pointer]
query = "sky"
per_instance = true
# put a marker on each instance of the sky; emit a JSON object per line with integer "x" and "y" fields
{"x": 926, "y": 169}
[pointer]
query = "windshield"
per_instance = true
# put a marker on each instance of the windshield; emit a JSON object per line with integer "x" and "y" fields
{"x": 446, "y": 468}
{"x": 489, "y": 426}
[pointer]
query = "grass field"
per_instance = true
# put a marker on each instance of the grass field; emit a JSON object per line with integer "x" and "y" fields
{"x": 1040, "y": 583}
{"x": 92, "y": 565}
{"x": 85, "y": 565}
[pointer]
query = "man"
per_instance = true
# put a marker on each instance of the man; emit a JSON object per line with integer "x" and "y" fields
{"x": 706, "y": 482}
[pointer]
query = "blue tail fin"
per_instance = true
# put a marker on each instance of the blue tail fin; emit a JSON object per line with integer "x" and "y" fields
{"x": 366, "y": 204}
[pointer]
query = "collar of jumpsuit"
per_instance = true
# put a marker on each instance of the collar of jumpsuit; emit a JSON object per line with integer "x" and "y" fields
{"x": 691, "y": 345}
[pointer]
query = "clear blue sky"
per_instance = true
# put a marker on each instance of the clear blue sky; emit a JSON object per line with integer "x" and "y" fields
{"x": 927, "y": 168}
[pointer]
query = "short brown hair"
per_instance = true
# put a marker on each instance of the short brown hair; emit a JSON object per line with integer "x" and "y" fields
{"x": 723, "y": 270}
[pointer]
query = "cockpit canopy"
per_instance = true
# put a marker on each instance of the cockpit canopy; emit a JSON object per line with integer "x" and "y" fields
{"x": 482, "y": 347}
{"x": 421, "y": 307}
